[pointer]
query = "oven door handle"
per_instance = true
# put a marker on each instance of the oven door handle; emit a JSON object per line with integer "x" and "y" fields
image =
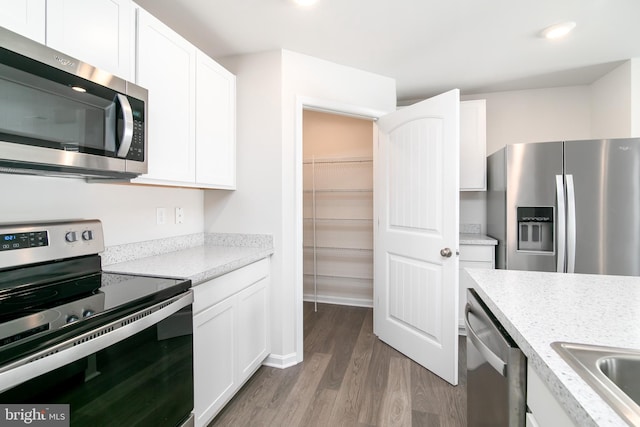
{"x": 90, "y": 342}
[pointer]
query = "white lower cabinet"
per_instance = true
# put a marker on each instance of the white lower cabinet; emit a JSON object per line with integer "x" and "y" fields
{"x": 230, "y": 335}
{"x": 214, "y": 358}
{"x": 543, "y": 408}
{"x": 471, "y": 256}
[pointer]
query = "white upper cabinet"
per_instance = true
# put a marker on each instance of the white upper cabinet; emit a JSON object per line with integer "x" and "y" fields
{"x": 166, "y": 67}
{"x": 473, "y": 145}
{"x": 215, "y": 124}
{"x": 191, "y": 129}
{"x": 98, "y": 32}
{"x": 191, "y": 110}
{"x": 25, "y": 17}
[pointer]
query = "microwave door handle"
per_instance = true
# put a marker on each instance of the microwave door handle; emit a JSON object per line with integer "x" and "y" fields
{"x": 560, "y": 225}
{"x": 127, "y": 136}
{"x": 493, "y": 359}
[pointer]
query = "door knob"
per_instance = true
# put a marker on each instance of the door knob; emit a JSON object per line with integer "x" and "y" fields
{"x": 446, "y": 252}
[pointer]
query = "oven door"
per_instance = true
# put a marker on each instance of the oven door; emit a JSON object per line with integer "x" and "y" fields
{"x": 136, "y": 371}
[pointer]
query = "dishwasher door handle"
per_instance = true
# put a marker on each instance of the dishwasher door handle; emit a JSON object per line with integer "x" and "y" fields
{"x": 494, "y": 360}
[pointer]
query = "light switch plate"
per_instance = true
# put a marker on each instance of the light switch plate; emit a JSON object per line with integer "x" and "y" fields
{"x": 161, "y": 216}
{"x": 179, "y": 216}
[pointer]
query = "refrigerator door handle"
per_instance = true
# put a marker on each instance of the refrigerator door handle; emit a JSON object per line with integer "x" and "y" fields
{"x": 560, "y": 225}
{"x": 571, "y": 225}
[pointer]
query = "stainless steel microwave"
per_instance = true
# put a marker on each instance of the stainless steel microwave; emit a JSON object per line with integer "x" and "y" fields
{"x": 61, "y": 116}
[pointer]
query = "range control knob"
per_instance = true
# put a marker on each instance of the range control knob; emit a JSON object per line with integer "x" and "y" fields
{"x": 87, "y": 235}
{"x": 71, "y": 236}
{"x": 88, "y": 312}
{"x": 72, "y": 318}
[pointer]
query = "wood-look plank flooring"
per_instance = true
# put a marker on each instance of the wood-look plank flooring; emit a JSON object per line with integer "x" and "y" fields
{"x": 348, "y": 378}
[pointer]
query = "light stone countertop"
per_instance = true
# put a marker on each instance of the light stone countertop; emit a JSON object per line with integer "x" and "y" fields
{"x": 199, "y": 258}
{"x": 477, "y": 239}
{"x": 539, "y": 308}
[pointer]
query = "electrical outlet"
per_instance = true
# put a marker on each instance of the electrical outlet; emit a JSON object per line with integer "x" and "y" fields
{"x": 179, "y": 216}
{"x": 161, "y": 216}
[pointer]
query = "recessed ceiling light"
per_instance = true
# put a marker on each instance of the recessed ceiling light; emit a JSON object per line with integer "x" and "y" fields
{"x": 558, "y": 30}
{"x": 78, "y": 89}
{"x": 305, "y": 2}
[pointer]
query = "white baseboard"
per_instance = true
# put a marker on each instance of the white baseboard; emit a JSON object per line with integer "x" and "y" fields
{"x": 355, "y": 302}
{"x": 280, "y": 361}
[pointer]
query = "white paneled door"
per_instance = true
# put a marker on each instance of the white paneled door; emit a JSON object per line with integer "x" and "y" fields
{"x": 416, "y": 241}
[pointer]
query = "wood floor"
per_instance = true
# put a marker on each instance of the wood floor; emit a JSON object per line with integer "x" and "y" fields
{"x": 348, "y": 378}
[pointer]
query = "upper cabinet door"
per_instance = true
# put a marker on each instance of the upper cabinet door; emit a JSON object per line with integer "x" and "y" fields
{"x": 166, "y": 67}
{"x": 215, "y": 124}
{"x": 473, "y": 145}
{"x": 26, "y": 17}
{"x": 98, "y": 32}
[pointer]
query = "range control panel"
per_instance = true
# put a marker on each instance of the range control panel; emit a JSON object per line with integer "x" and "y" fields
{"x": 28, "y": 243}
{"x": 31, "y": 239}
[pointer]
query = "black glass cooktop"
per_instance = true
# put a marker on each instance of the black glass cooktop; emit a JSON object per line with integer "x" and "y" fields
{"x": 30, "y": 290}
{"x": 35, "y": 311}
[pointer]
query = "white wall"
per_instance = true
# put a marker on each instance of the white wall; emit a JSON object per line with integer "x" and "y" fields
{"x": 305, "y": 76}
{"x": 473, "y": 209}
{"x": 127, "y": 212}
{"x": 635, "y": 97}
{"x": 536, "y": 115}
{"x": 611, "y": 103}
{"x": 608, "y": 108}
{"x": 256, "y": 205}
{"x": 332, "y": 136}
{"x": 268, "y": 187}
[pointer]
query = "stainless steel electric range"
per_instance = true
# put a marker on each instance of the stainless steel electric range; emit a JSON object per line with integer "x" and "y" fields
{"x": 117, "y": 349}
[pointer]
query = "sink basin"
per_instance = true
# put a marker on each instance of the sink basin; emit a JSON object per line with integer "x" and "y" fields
{"x": 612, "y": 372}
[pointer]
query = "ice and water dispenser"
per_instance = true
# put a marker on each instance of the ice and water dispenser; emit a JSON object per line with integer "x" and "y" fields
{"x": 535, "y": 229}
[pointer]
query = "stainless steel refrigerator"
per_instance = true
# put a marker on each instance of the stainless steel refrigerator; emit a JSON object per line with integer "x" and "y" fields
{"x": 571, "y": 206}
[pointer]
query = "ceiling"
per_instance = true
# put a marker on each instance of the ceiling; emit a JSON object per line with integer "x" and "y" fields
{"x": 428, "y": 46}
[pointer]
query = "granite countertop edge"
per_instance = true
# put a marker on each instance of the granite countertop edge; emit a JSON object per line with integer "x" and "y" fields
{"x": 546, "y": 373}
{"x": 477, "y": 239}
{"x": 230, "y": 266}
{"x": 197, "y": 258}
{"x": 533, "y": 336}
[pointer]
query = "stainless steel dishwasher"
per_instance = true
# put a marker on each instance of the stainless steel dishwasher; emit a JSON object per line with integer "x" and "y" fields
{"x": 496, "y": 370}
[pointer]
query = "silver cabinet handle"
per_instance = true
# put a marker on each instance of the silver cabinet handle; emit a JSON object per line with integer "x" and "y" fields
{"x": 560, "y": 225}
{"x": 571, "y": 225}
{"x": 491, "y": 358}
{"x": 76, "y": 348}
{"x": 446, "y": 252}
{"x": 127, "y": 135}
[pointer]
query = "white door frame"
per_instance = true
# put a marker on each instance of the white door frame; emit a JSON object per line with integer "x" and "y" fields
{"x": 328, "y": 106}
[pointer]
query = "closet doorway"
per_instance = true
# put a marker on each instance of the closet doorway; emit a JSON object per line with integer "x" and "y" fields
{"x": 337, "y": 209}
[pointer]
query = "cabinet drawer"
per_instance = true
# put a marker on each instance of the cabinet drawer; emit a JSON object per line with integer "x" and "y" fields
{"x": 477, "y": 252}
{"x": 211, "y": 292}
